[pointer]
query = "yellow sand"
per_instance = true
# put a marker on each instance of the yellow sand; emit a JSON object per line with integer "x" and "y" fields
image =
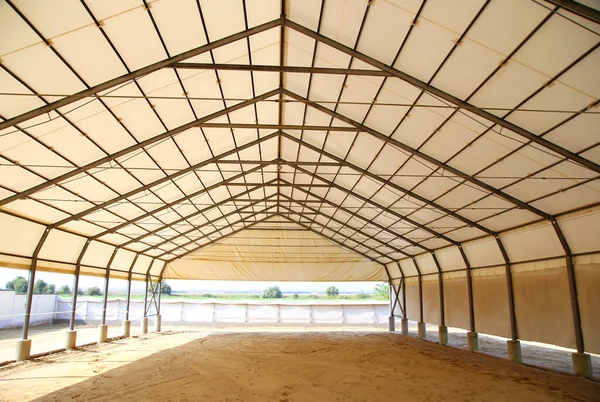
{"x": 283, "y": 367}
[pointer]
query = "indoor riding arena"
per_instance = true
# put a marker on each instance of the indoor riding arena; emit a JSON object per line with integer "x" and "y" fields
{"x": 448, "y": 148}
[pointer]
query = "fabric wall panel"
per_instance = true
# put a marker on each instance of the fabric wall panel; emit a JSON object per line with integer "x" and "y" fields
{"x": 542, "y": 303}
{"x": 456, "y": 302}
{"x": 490, "y": 299}
{"x": 431, "y": 300}
{"x": 587, "y": 274}
{"x": 412, "y": 299}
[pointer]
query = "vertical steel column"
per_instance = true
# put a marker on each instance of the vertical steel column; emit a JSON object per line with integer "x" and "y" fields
{"x": 159, "y": 295}
{"x": 403, "y": 289}
{"x": 106, "y": 279}
{"x": 146, "y": 296}
{"x": 32, "y": 271}
{"x": 469, "y": 289}
{"x": 440, "y": 289}
{"x": 76, "y": 284}
{"x": 129, "y": 287}
{"x": 509, "y": 287}
{"x": 420, "y": 289}
{"x": 572, "y": 287}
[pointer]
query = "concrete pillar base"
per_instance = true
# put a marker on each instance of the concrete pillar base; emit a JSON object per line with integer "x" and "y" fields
{"x": 157, "y": 323}
{"x": 404, "y": 323}
{"x": 392, "y": 323}
{"x": 144, "y": 325}
{"x": 582, "y": 365}
{"x": 473, "y": 341}
{"x": 126, "y": 328}
{"x": 23, "y": 350}
{"x": 103, "y": 333}
{"x": 514, "y": 351}
{"x": 422, "y": 330}
{"x": 443, "y": 334}
{"x": 70, "y": 339}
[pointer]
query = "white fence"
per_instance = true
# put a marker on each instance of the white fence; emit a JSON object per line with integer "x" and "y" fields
{"x": 47, "y": 308}
{"x": 12, "y": 309}
{"x": 180, "y": 311}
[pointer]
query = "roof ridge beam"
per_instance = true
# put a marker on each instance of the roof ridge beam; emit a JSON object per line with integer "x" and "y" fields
{"x": 278, "y": 69}
{"x": 391, "y": 184}
{"x": 580, "y": 9}
{"x": 423, "y": 156}
{"x": 446, "y": 96}
{"x": 139, "y": 73}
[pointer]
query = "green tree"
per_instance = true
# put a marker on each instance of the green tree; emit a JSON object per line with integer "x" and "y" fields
{"x": 332, "y": 291}
{"x": 94, "y": 291}
{"x": 382, "y": 291}
{"x": 40, "y": 287}
{"x": 64, "y": 290}
{"x": 79, "y": 292}
{"x": 271, "y": 293}
{"x": 50, "y": 289}
{"x": 165, "y": 289}
{"x": 19, "y": 284}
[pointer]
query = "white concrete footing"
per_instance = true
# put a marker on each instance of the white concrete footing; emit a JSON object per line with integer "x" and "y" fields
{"x": 514, "y": 351}
{"x": 23, "y": 350}
{"x": 126, "y": 328}
{"x": 582, "y": 365}
{"x": 102, "y": 333}
{"x": 404, "y": 323}
{"x": 392, "y": 323}
{"x": 443, "y": 335}
{"x": 421, "y": 329}
{"x": 473, "y": 341}
{"x": 144, "y": 325}
{"x": 157, "y": 323}
{"x": 70, "y": 339}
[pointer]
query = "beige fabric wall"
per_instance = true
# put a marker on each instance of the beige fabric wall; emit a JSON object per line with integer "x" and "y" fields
{"x": 490, "y": 301}
{"x": 542, "y": 303}
{"x": 290, "y": 271}
{"x": 412, "y": 299}
{"x": 456, "y": 302}
{"x": 587, "y": 274}
{"x": 431, "y": 299}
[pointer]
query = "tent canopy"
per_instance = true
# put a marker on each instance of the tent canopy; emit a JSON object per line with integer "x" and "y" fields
{"x": 297, "y": 140}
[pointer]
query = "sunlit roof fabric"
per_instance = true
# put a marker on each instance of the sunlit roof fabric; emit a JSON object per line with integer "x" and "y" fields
{"x": 145, "y": 136}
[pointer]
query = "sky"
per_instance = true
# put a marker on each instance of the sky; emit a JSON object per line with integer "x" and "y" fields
{"x": 120, "y": 285}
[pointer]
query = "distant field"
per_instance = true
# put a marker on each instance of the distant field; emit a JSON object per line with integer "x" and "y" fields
{"x": 241, "y": 296}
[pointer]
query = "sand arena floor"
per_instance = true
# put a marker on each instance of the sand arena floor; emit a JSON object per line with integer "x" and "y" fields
{"x": 261, "y": 366}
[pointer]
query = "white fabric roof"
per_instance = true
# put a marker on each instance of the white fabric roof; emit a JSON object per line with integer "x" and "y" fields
{"x": 148, "y": 135}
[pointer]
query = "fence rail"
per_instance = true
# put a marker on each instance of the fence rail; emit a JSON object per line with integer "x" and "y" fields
{"x": 48, "y": 308}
